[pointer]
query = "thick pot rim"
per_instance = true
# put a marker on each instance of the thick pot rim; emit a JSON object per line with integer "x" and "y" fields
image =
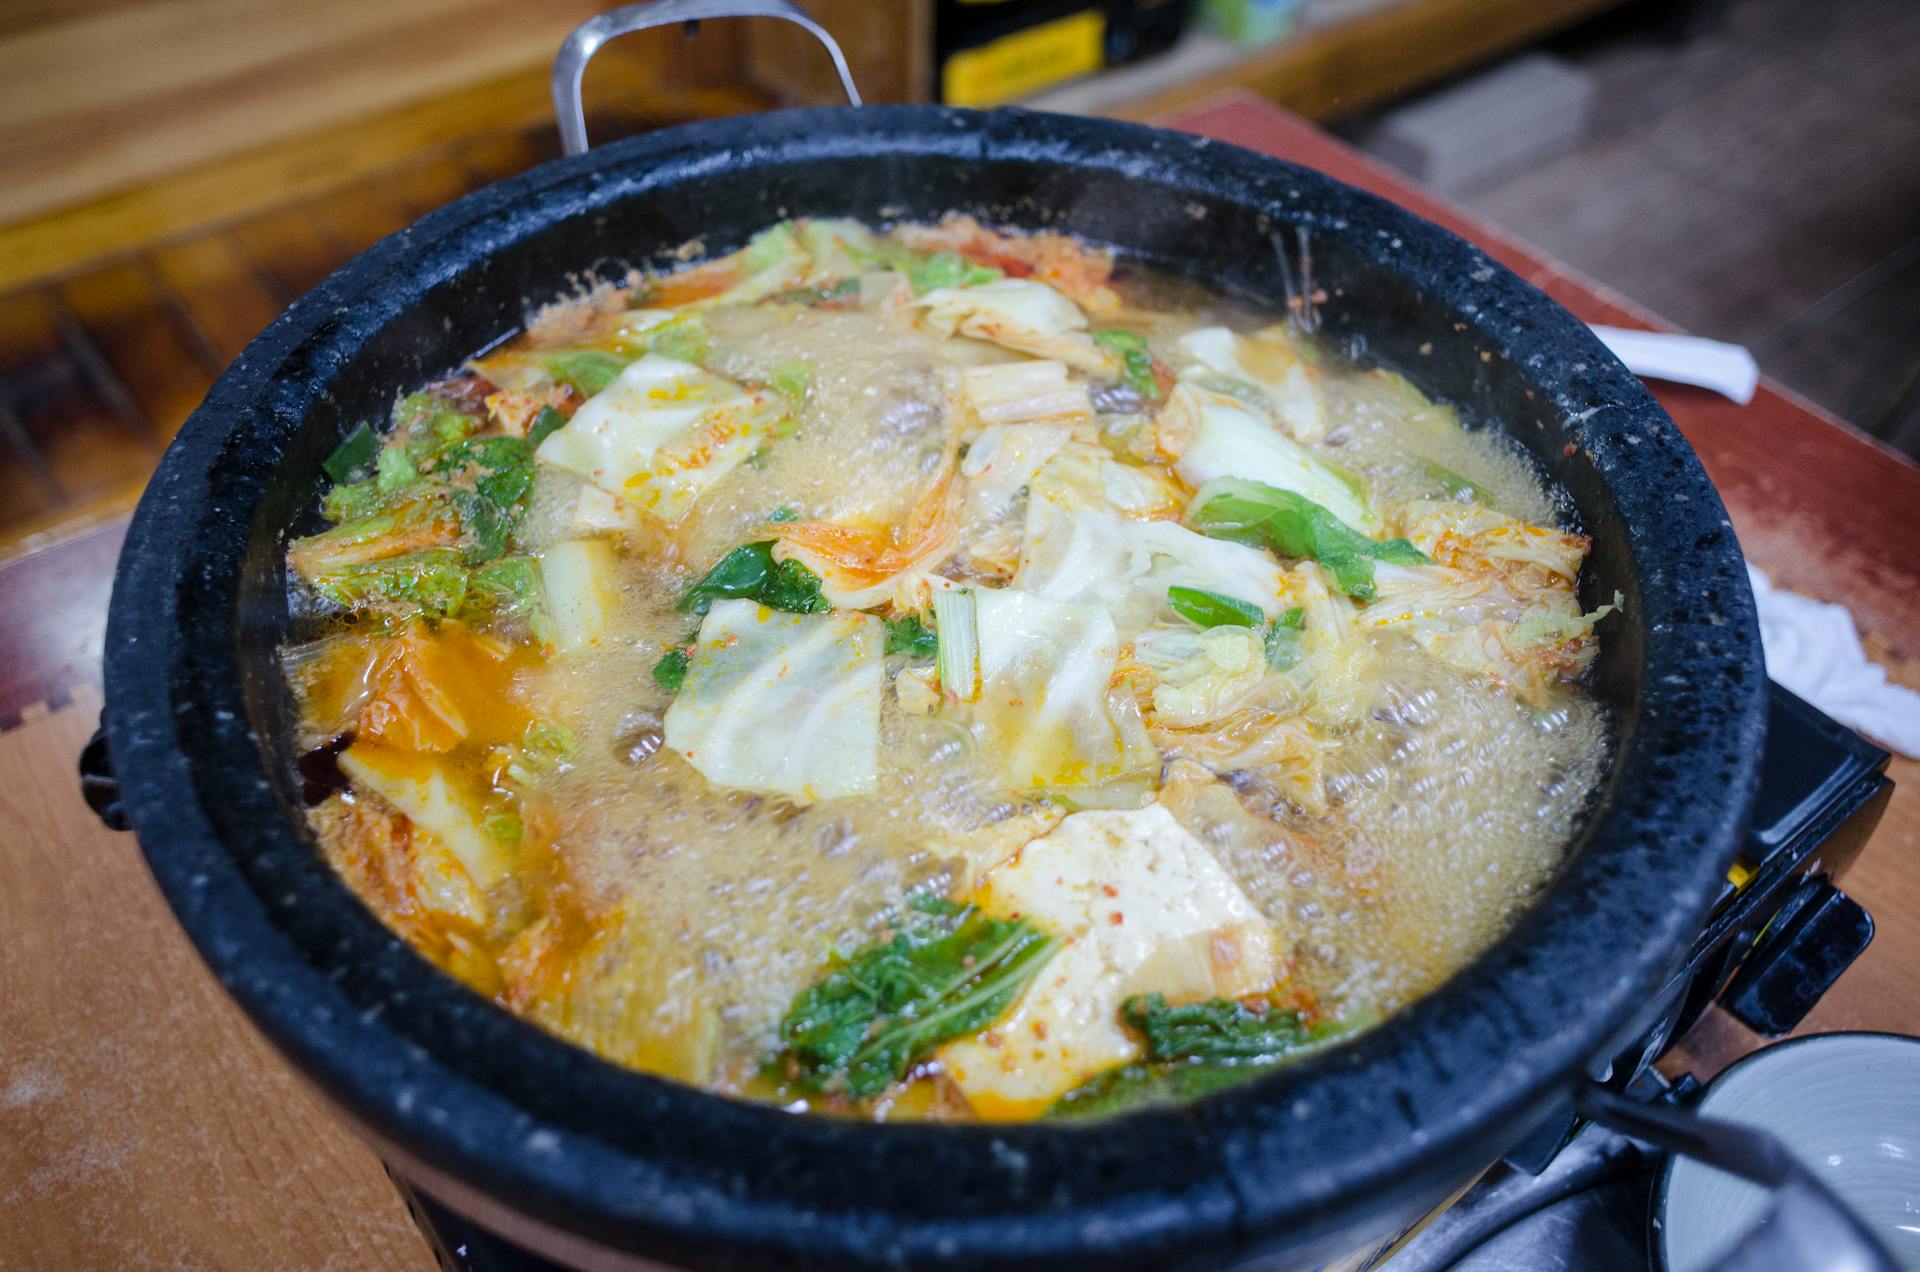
{"x": 643, "y": 1164}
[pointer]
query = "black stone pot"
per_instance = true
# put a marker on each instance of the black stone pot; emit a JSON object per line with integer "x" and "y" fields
{"x": 597, "y": 1164}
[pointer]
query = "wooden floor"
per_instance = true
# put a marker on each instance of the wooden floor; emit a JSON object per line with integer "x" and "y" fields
{"x": 97, "y": 371}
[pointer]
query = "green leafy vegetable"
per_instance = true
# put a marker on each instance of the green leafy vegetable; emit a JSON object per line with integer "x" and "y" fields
{"x": 426, "y": 425}
{"x": 353, "y": 455}
{"x": 742, "y": 573}
{"x": 1451, "y": 484}
{"x": 1135, "y": 1086}
{"x": 1196, "y": 1049}
{"x": 1292, "y": 525}
{"x": 769, "y": 247}
{"x": 1136, "y": 360}
{"x": 585, "y": 371}
{"x": 1210, "y": 609}
{"x": 947, "y": 269}
{"x": 488, "y": 529}
{"x": 507, "y": 589}
{"x": 948, "y": 971}
{"x": 749, "y": 572}
{"x": 393, "y": 470}
{"x": 353, "y": 501}
{"x": 911, "y": 636}
{"x": 545, "y": 424}
{"x": 1283, "y": 640}
{"x": 671, "y": 670}
{"x": 794, "y": 588}
{"x": 684, "y": 339}
{"x": 1216, "y": 1030}
{"x": 432, "y": 581}
{"x": 502, "y": 468}
{"x": 791, "y": 380}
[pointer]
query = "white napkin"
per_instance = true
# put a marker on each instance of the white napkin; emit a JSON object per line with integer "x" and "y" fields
{"x": 1814, "y": 649}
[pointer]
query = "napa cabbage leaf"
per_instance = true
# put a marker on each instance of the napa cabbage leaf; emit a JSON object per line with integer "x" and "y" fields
{"x": 787, "y": 704}
{"x": 661, "y": 433}
{"x": 1215, "y": 436}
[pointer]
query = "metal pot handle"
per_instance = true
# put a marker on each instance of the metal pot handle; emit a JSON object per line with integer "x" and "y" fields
{"x": 1805, "y": 1225}
{"x": 570, "y": 64}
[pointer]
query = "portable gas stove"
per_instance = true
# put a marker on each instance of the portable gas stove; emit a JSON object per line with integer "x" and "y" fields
{"x": 1780, "y": 935}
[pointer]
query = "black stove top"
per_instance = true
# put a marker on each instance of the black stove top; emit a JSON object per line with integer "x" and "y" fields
{"x": 1569, "y": 1199}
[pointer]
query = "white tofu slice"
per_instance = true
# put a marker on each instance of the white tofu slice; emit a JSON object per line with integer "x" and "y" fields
{"x": 1141, "y": 907}
{"x": 787, "y": 703}
{"x": 420, "y": 787}
{"x": 578, "y": 577}
{"x": 660, "y": 434}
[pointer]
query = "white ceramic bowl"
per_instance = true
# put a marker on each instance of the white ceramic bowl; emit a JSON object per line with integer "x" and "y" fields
{"x": 1848, "y": 1105}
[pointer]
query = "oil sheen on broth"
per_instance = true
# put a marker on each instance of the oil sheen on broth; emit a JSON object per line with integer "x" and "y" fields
{"x": 934, "y": 674}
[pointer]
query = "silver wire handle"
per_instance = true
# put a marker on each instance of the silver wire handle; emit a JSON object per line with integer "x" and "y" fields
{"x": 570, "y": 64}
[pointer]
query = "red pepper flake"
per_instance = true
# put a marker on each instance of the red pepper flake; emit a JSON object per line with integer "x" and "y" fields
{"x": 1109, "y": 890}
{"x": 1568, "y": 449}
{"x": 1116, "y": 918}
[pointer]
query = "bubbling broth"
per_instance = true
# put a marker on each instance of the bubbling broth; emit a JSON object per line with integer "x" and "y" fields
{"x": 932, "y": 674}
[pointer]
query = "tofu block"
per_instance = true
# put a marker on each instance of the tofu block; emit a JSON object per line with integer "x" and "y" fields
{"x": 1141, "y": 907}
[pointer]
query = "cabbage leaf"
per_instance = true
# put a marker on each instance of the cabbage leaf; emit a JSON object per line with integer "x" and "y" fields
{"x": 1215, "y": 436}
{"x": 662, "y": 433}
{"x": 783, "y": 703}
{"x": 1269, "y": 364}
{"x": 1101, "y": 558}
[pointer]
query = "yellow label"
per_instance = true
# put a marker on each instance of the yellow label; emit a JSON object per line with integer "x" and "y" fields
{"x": 1026, "y": 61}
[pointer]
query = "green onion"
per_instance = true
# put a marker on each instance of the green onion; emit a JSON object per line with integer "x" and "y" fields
{"x": 353, "y": 455}
{"x": 955, "y": 625}
{"x": 1210, "y": 609}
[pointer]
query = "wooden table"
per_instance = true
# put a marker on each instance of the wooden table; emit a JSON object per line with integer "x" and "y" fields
{"x": 147, "y": 1123}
